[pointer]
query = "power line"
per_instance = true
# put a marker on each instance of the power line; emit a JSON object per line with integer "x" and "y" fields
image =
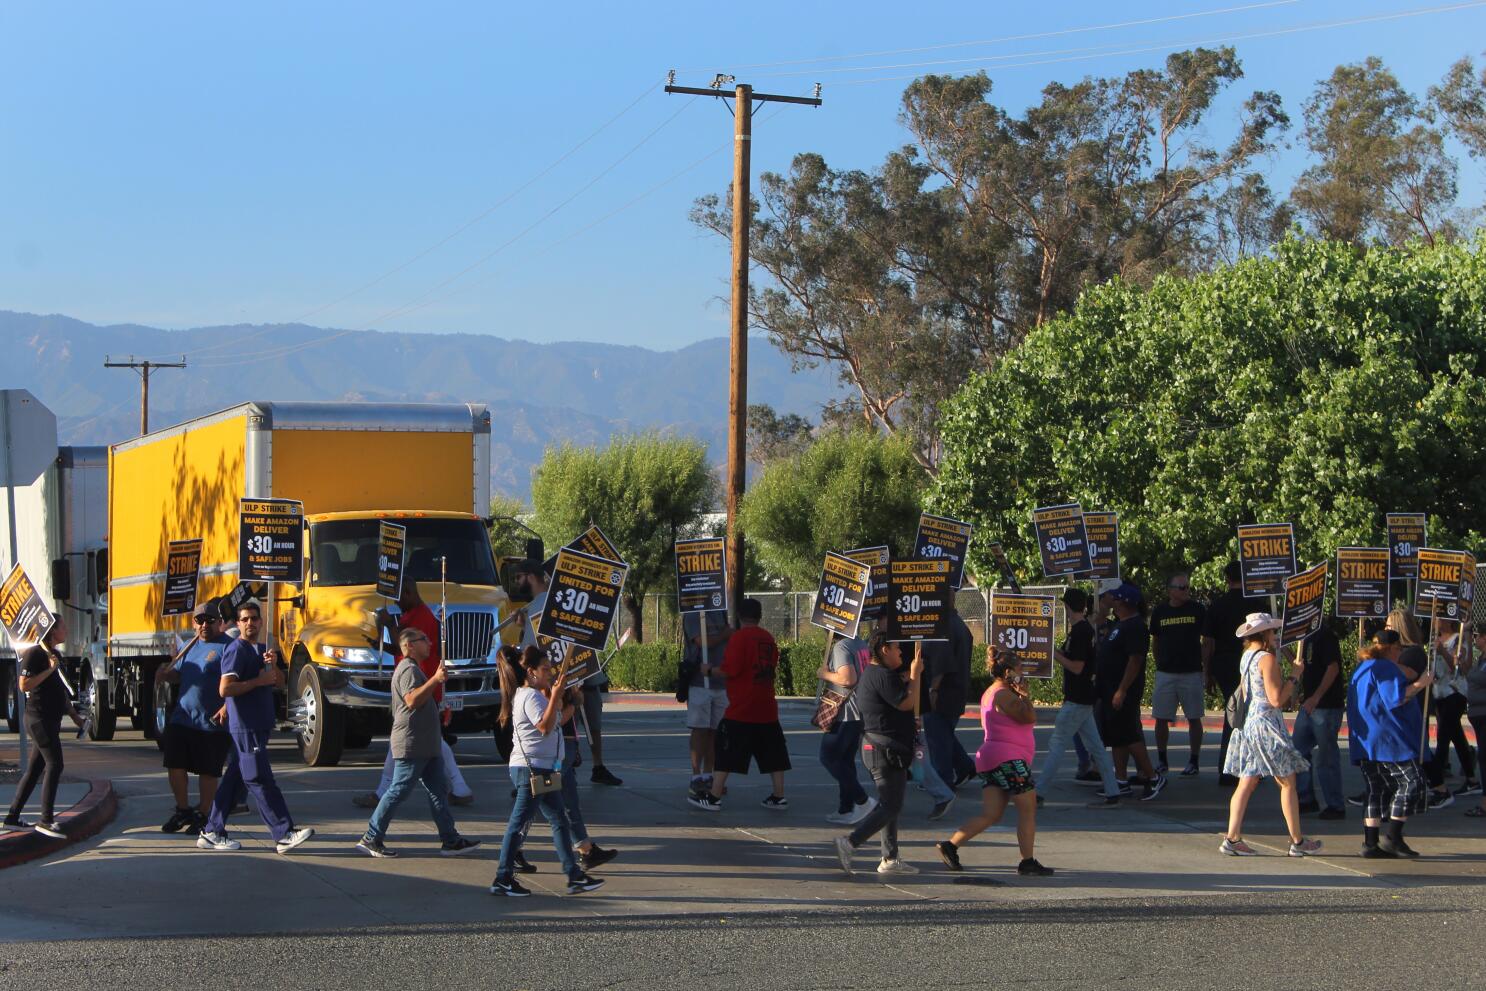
{"x": 555, "y": 163}
{"x": 1248, "y": 36}
{"x": 1006, "y": 38}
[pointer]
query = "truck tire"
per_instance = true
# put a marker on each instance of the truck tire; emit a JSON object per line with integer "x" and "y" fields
{"x": 105, "y": 719}
{"x": 165, "y": 694}
{"x": 9, "y": 694}
{"x": 322, "y": 729}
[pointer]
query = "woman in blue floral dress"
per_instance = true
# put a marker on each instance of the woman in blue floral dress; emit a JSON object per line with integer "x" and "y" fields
{"x": 1262, "y": 749}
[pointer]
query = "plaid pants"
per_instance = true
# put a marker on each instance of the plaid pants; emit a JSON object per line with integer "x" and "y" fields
{"x": 1393, "y": 787}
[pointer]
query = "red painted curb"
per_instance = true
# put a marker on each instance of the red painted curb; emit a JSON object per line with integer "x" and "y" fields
{"x": 83, "y": 820}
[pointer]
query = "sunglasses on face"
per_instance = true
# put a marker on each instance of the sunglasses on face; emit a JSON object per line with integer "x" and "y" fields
{"x": 1178, "y": 588}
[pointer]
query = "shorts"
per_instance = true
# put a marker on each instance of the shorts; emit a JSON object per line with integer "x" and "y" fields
{"x": 1120, "y": 727}
{"x": 705, "y": 706}
{"x": 1012, "y": 776}
{"x": 195, "y": 751}
{"x": 1172, "y": 688}
{"x": 738, "y": 743}
{"x": 1394, "y": 788}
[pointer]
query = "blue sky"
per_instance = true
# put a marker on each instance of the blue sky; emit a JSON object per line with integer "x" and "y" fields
{"x": 187, "y": 164}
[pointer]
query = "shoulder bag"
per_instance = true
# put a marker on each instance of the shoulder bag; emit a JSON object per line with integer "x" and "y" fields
{"x": 1237, "y": 708}
{"x": 543, "y": 780}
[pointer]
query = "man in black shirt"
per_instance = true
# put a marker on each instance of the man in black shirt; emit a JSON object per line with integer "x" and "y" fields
{"x": 1221, "y": 650}
{"x": 1176, "y": 634}
{"x": 1319, "y": 721}
{"x": 46, "y": 704}
{"x": 946, "y": 687}
{"x": 1119, "y": 677}
{"x": 1076, "y": 716}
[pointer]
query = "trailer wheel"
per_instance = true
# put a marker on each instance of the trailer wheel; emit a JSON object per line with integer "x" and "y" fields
{"x": 104, "y": 719}
{"x": 9, "y": 693}
{"x": 321, "y": 726}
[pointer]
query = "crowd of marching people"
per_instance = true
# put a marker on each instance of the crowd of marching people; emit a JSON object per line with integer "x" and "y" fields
{"x": 890, "y": 707}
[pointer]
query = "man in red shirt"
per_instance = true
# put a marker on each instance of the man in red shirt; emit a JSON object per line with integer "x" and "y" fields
{"x": 750, "y": 729}
{"x": 416, "y": 615}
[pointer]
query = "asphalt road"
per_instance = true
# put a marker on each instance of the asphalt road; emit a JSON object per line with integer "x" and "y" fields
{"x": 744, "y": 899}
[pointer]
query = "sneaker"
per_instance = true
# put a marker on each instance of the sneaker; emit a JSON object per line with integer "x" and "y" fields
{"x": 1309, "y": 808}
{"x": 462, "y": 800}
{"x": 16, "y": 823}
{"x": 844, "y": 851}
{"x": 862, "y": 811}
{"x": 366, "y": 801}
{"x": 776, "y": 802}
{"x": 509, "y": 888}
{"x": 705, "y": 801}
{"x": 374, "y": 848}
{"x": 1359, "y": 799}
{"x": 896, "y": 867}
{"x": 940, "y": 810}
{"x": 179, "y": 819}
{"x": 458, "y": 847}
{"x": 216, "y": 841}
{"x": 1088, "y": 777}
{"x": 1191, "y": 770}
{"x": 950, "y": 854}
{"x": 841, "y": 818}
{"x": 596, "y": 856}
{"x": 583, "y": 883}
{"x": 1126, "y": 790}
{"x": 1377, "y": 853}
{"x": 1031, "y": 868}
{"x": 197, "y": 823}
{"x": 1153, "y": 788}
{"x": 1236, "y": 848}
{"x": 1104, "y": 802}
{"x": 1440, "y": 800}
{"x": 603, "y": 776}
{"x": 50, "y": 828}
{"x": 1469, "y": 788}
{"x": 1332, "y": 814}
{"x": 1399, "y": 849}
{"x": 521, "y": 865}
{"x": 1305, "y": 848}
{"x": 1161, "y": 767}
{"x": 295, "y": 839}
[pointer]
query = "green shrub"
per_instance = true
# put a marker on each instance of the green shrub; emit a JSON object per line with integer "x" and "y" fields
{"x": 799, "y": 660}
{"x": 648, "y": 667}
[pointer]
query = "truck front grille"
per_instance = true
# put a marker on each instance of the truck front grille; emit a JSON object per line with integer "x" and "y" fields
{"x": 469, "y": 635}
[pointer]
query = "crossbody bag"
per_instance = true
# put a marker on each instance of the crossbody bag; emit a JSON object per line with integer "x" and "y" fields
{"x": 543, "y": 780}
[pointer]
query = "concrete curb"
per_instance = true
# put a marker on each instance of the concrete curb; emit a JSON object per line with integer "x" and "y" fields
{"x": 83, "y": 820}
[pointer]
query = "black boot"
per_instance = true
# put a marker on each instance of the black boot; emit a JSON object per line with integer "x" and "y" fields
{"x": 1392, "y": 841}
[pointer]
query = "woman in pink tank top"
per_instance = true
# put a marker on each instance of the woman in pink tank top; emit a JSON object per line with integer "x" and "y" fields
{"x": 1004, "y": 761}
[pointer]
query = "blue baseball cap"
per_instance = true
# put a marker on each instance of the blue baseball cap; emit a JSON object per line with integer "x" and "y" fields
{"x": 1128, "y": 594}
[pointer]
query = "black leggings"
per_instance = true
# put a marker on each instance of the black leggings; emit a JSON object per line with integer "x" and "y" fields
{"x": 1448, "y": 712}
{"x": 892, "y": 788}
{"x": 45, "y": 765}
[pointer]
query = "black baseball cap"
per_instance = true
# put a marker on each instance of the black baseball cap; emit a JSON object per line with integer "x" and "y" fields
{"x": 208, "y": 607}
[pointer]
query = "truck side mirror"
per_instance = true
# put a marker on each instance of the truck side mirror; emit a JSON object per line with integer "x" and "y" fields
{"x": 62, "y": 579}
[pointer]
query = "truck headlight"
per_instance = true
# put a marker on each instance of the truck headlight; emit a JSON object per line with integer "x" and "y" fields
{"x": 351, "y": 655}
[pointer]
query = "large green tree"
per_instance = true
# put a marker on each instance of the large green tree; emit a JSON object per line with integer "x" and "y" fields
{"x": 1322, "y": 386}
{"x": 847, "y": 489}
{"x": 643, "y": 490}
{"x": 908, "y": 278}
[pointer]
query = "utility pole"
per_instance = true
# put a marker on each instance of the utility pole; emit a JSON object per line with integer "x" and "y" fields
{"x": 144, "y": 368}
{"x": 744, "y": 99}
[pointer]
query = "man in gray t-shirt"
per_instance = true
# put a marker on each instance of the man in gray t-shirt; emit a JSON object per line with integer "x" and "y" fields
{"x": 417, "y": 754}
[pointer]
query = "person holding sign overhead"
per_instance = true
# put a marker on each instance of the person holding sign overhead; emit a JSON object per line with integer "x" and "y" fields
{"x": 46, "y": 704}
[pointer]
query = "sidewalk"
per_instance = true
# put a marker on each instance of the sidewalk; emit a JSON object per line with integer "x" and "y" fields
{"x": 82, "y": 809}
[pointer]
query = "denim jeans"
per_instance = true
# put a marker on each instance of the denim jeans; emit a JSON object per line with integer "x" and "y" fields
{"x": 430, "y": 773}
{"x": 950, "y": 760}
{"x": 1317, "y": 731}
{"x": 1076, "y": 722}
{"x": 936, "y": 786}
{"x": 522, "y": 811}
{"x": 838, "y": 755}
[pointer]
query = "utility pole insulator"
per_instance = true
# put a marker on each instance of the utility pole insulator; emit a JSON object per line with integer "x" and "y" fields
{"x": 144, "y": 368}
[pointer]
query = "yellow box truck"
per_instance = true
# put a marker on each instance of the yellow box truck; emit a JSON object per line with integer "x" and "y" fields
{"x": 352, "y": 465}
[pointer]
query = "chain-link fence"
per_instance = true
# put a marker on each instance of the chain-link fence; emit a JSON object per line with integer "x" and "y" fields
{"x": 787, "y": 614}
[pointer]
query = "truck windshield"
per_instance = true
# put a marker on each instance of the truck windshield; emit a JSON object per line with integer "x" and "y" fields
{"x": 344, "y": 552}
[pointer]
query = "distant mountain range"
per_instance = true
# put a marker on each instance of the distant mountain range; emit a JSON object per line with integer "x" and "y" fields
{"x": 538, "y": 394}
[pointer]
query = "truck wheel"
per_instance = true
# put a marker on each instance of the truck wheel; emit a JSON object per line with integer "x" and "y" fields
{"x": 164, "y": 702}
{"x": 148, "y": 720}
{"x": 8, "y": 692}
{"x": 104, "y": 719}
{"x": 322, "y": 726}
